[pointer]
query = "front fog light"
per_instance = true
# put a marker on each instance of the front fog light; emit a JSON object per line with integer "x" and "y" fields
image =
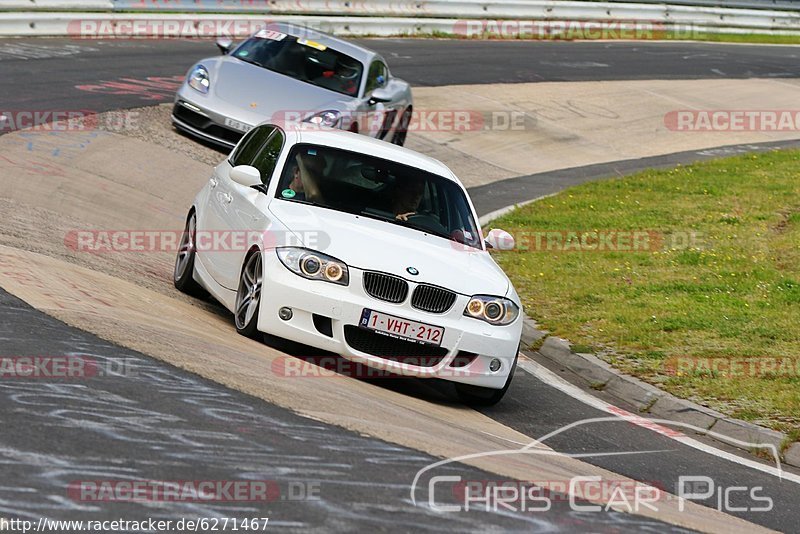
{"x": 285, "y": 313}
{"x": 495, "y": 365}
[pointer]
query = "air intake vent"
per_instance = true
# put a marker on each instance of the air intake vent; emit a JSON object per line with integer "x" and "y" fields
{"x": 385, "y": 287}
{"x": 397, "y": 350}
{"x": 432, "y": 299}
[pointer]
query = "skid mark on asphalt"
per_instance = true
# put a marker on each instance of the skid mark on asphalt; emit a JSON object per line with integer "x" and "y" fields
{"x": 152, "y": 88}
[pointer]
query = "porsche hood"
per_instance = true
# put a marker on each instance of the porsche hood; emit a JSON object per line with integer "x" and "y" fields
{"x": 264, "y": 95}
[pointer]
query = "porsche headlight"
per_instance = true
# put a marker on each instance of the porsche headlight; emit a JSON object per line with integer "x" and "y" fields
{"x": 314, "y": 265}
{"x": 199, "y": 80}
{"x": 494, "y": 310}
{"x": 328, "y": 119}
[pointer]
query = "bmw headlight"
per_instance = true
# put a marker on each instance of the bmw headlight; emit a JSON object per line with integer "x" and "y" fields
{"x": 328, "y": 119}
{"x": 494, "y": 310}
{"x": 199, "y": 80}
{"x": 314, "y": 265}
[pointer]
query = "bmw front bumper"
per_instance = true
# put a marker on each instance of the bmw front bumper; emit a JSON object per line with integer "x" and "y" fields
{"x": 327, "y": 316}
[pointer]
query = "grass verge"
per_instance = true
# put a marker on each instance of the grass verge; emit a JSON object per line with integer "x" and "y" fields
{"x": 705, "y": 303}
{"x": 656, "y": 36}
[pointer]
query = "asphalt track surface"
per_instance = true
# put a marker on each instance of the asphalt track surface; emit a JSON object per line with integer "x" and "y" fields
{"x": 149, "y": 421}
{"x": 219, "y": 447}
{"x": 46, "y": 73}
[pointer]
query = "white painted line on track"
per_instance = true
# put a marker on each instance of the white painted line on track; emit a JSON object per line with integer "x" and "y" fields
{"x": 504, "y": 439}
{"x": 551, "y": 379}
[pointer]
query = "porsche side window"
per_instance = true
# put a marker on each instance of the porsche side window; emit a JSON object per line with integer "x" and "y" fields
{"x": 247, "y": 150}
{"x": 378, "y": 75}
{"x": 266, "y": 159}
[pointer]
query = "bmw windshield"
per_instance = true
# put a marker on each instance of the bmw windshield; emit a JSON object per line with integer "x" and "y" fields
{"x": 380, "y": 189}
{"x": 302, "y": 59}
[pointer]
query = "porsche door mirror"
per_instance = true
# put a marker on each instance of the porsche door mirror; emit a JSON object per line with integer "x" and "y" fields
{"x": 224, "y": 44}
{"x": 381, "y": 94}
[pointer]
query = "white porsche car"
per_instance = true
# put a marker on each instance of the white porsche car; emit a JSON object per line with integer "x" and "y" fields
{"x": 357, "y": 247}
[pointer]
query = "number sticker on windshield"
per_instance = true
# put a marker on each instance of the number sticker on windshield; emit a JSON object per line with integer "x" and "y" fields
{"x": 271, "y": 34}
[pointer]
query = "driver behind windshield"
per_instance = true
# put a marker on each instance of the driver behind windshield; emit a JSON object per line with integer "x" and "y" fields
{"x": 343, "y": 78}
{"x": 306, "y": 171}
{"x": 407, "y": 194}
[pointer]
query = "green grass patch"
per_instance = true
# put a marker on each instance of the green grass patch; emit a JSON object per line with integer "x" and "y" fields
{"x": 716, "y": 282}
{"x": 749, "y": 38}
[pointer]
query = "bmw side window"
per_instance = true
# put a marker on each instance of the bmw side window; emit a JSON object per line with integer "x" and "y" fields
{"x": 266, "y": 160}
{"x": 248, "y": 149}
{"x": 378, "y": 75}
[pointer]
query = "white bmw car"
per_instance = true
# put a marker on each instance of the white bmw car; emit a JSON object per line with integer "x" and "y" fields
{"x": 358, "y": 247}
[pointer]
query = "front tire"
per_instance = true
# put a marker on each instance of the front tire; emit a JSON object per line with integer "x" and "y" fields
{"x": 183, "y": 274}
{"x": 248, "y": 296}
{"x": 481, "y": 397}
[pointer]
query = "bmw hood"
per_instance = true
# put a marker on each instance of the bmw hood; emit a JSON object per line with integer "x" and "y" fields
{"x": 265, "y": 95}
{"x": 375, "y": 245}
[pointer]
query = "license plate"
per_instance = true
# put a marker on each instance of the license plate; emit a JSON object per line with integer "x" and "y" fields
{"x": 236, "y": 125}
{"x": 401, "y": 328}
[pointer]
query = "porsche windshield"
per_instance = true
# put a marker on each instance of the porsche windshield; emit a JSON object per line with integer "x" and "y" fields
{"x": 380, "y": 189}
{"x": 302, "y": 59}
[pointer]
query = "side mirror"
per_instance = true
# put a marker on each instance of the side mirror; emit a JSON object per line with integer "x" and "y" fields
{"x": 246, "y": 175}
{"x": 224, "y": 44}
{"x": 499, "y": 240}
{"x": 381, "y": 94}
